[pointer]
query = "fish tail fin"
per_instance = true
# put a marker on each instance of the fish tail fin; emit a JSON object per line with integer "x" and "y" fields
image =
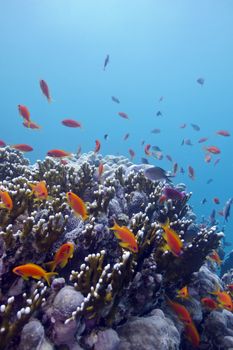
{"x": 115, "y": 226}
{"x": 49, "y": 275}
{"x": 166, "y": 224}
{"x": 51, "y": 265}
{"x": 85, "y": 216}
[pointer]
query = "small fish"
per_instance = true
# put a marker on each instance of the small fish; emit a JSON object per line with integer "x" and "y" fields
{"x": 126, "y": 137}
{"x": 188, "y": 142}
{"x": 212, "y": 217}
{"x": 182, "y": 142}
{"x": 157, "y": 155}
{"x": 79, "y": 151}
{"x": 24, "y": 112}
{"x": 183, "y": 293}
{"x": 215, "y": 257}
{"x": 106, "y": 62}
{"x": 58, "y": 153}
{"x": 63, "y": 254}
{"x": 6, "y": 201}
{"x": 127, "y": 238}
{"x": 147, "y": 150}
{"x": 2, "y": 143}
{"x": 45, "y": 90}
{"x": 159, "y": 114}
{"x": 191, "y": 172}
{"x": 195, "y": 127}
{"x": 155, "y": 131}
{"x": 161, "y": 98}
{"x": 173, "y": 240}
{"x": 143, "y": 142}
{"x": 182, "y": 170}
{"x": 132, "y": 153}
{"x": 169, "y": 157}
{"x": 181, "y": 311}
{"x": 213, "y": 149}
{"x": 224, "y": 299}
{"x": 223, "y": 133}
{"x": 227, "y": 208}
{"x": 216, "y": 200}
{"x": 115, "y": 99}
{"x": 192, "y": 334}
{"x": 202, "y": 139}
{"x": 144, "y": 161}
{"x": 209, "y": 303}
{"x": 123, "y": 115}
{"x": 172, "y": 193}
{"x": 217, "y": 161}
{"x": 100, "y": 170}
{"x": 208, "y": 158}
{"x": 204, "y": 200}
{"x": 31, "y": 125}
{"x": 175, "y": 168}
{"x": 34, "y": 271}
{"x": 182, "y": 126}
{"x": 156, "y": 148}
{"x": 106, "y": 137}
{"x": 77, "y": 204}
{"x": 156, "y": 174}
{"x": 39, "y": 190}
{"x": 201, "y": 81}
{"x": 97, "y": 146}
{"x": 22, "y": 147}
{"x": 209, "y": 181}
{"x": 71, "y": 123}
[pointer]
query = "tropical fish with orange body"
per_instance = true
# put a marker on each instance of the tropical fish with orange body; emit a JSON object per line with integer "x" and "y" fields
{"x": 34, "y": 271}
{"x": 77, "y": 204}
{"x": 127, "y": 238}
{"x": 172, "y": 238}
{"x": 39, "y": 190}
{"x": 45, "y": 90}
{"x": 63, "y": 254}
{"x": 181, "y": 311}
{"x": 7, "y": 202}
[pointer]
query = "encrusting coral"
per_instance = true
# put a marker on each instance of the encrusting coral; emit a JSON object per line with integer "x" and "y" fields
{"x": 116, "y": 283}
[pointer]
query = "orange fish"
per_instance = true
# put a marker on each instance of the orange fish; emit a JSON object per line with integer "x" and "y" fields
{"x": 2, "y": 143}
{"x": 71, "y": 123}
{"x": 128, "y": 239}
{"x": 34, "y": 271}
{"x": 213, "y": 149}
{"x": 174, "y": 243}
{"x": 97, "y": 146}
{"x": 22, "y": 147}
{"x": 191, "y": 173}
{"x": 100, "y": 169}
{"x": 224, "y": 300}
{"x": 192, "y": 334}
{"x": 223, "y": 133}
{"x": 39, "y": 190}
{"x": 183, "y": 293}
{"x": 77, "y": 204}
{"x": 6, "y": 200}
{"x": 63, "y": 254}
{"x": 24, "y": 112}
{"x": 45, "y": 90}
{"x": 31, "y": 125}
{"x": 209, "y": 303}
{"x": 216, "y": 200}
{"x": 181, "y": 311}
{"x": 147, "y": 150}
{"x": 58, "y": 153}
{"x": 207, "y": 158}
{"x": 132, "y": 153}
{"x": 215, "y": 257}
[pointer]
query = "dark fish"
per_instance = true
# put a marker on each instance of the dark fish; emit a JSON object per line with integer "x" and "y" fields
{"x": 156, "y": 148}
{"x": 172, "y": 193}
{"x": 182, "y": 170}
{"x": 159, "y": 114}
{"x": 182, "y": 143}
{"x": 126, "y": 136}
{"x": 169, "y": 157}
{"x": 161, "y": 98}
{"x": 188, "y": 142}
{"x": 156, "y": 174}
{"x": 212, "y": 217}
{"x": 209, "y": 181}
{"x": 144, "y": 160}
{"x": 217, "y": 161}
{"x": 106, "y": 137}
{"x": 204, "y": 200}
{"x": 201, "y": 81}
{"x": 106, "y": 61}
{"x": 195, "y": 127}
{"x": 227, "y": 208}
{"x": 155, "y": 131}
{"x": 115, "y": 99}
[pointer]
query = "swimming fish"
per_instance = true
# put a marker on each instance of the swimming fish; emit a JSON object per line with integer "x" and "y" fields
{"x": 39, "y": 190}
{"x": 192, "y": 334}
{"x": 63, "y": 254}
{"x": 155, "y": 131}
{"x": 147, "y": 150}
{"x": 71, "y": 123}
{"x": 24, "y": 112}
{"x": 202, "y": 139}
{"x": 100, "y": 170}
{"x": 182, "y": 126}
{"x": 169, "y": 157}
{"x": 209, "y": 181}
{"x": 77, "y": 204}
{"x": 195, "y": 127}
{"x": 224, "y": 299}
{"x": 191, "y": 172}
{"x": 45, "y": 90}
{"x": 106, "y": 62}
{"x": 6, "y": 201}
{"x": 156, "y": 174}
{"x": 209, "y": 303}
{"x": 213, "y": 149}
{"x": 173, "y": 240}
{"x": 217, "y": 161}
{"x": 216, "y": 200}
{"x": 58, "y": 153}
{"x": 201, "y": 81}
{"x": 22, "y": 147}
{"x": 144, "y": 161}
{"x": 2, "y": 143}
{"x": 175, "y": 168}
{"x": 34, "y": 271}
{"x": 132, "y": 153}
{"x": 115, "y": 99}
{"x": 172, "y": 193}
{"x": 181, "y": 311}
{"x": 212, "y": 217}
{"x": 208, "y": 158}
{"x": 127, "y": 238}
{"x": 183, "y": 293}
{"x": 159, "y": 114}
{"x": 31, "y": 125}
{"x": 215, "y": 257}
{"x": 223, "y": 133}
{"x": 123, "y": 115}
{"x": 106, "y": 137}
{"x": 126, "y": 136}
{"x": 227, "y": 208}
{"x": 97, "y": 146}
{"x": 204, "y": 200}
{"x": 188, "y": 142}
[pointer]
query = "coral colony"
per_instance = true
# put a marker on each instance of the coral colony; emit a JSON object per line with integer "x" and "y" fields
{"x": 104, "y": 260}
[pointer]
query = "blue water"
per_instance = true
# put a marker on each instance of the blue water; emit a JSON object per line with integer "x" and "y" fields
{"x": 156, "y": 47}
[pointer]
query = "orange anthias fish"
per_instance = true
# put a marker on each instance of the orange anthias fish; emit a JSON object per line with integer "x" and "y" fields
{"x": 215, "y": 257}
{"x": 100, "y": 169}
{"x": 6, "y": 200}
{"x": 97, "y": 146}
{"x": 45, "y": 90}
{"x": 39, "y": 190}
{"x": 34, "y": 271}
{"x": 224, "y": 300}
{"x": 24, "y": 112}
{"x": 180, "y": 311}
{"x": 58, "y": 153}
{"x": 31, "y": 125}
{"x": 22, "y": 147}
{"x": 128, "y": 239}
{"x": 63, "y": 254}
{"x": 71, "y": 123}
{"x": 213, "y": 149}
{"x": 77, "y": 204}
{"x": 183, "y": 293}
{"x": 174, "y": 243}
{"x": 209, "y": 303}
{"x": 147, "y": 150}
{"x": 192, "y": 334}
{"x": 132, "y": 153}
{"x": 191, "y": 173}
{"x": 223, "y": 133}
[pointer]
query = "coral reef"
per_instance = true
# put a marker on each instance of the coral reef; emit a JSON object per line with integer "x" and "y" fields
{"x": 106, "y": 297}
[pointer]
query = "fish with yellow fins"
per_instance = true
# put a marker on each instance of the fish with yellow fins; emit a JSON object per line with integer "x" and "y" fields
{"x": 63, "y": 254}
{"x": 34, "y": 271}
{"x": 39, "y": 190}
{"x": 77, "y": 204}
{"x": 183, "y": 293}
{"x": 6, "y": 201}
{"x": 174, "y": 243}
{"x": 127, "y": 238}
